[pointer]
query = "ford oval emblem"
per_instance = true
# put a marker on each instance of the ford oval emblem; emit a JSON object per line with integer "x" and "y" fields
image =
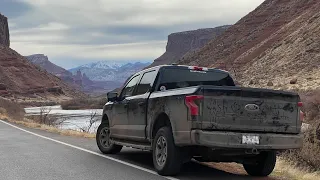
{"x": 252, "y": 107}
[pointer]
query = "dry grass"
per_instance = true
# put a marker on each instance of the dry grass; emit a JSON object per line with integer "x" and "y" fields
{"x": 283, "y": 170}
{"x": 292, "y": 172}
{"x": 30, "y": 124}
{"x": 11, "y": 109}
{"x": 13, "y": 112}
{"x": 308, "y": 156}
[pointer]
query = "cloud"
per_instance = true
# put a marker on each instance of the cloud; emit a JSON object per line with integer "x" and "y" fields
{"x": 143, "y": 12}
{"x": 113, "y": 29}
{"x": 135, "y": 51}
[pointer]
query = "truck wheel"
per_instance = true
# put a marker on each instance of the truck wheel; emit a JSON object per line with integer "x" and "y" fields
{"x": 103, "y": 140}
{"x": 166, "y": 156}
{"x": 265, "y": 164}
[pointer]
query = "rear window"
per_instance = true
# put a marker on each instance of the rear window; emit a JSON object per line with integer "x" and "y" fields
{"x": 180, "y": 78}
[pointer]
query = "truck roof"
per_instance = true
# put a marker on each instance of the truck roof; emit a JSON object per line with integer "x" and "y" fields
{"x": 183, "y": 67}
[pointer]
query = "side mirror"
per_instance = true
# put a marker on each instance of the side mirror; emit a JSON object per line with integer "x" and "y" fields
{"x": 112, "y": 96}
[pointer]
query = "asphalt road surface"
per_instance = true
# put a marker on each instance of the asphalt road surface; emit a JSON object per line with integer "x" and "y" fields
{"x": 30, "y": 154}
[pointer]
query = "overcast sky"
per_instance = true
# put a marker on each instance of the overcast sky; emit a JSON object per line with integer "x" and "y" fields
{"x": 75, "y": 32}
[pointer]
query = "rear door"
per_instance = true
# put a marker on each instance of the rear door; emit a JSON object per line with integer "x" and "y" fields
{"x": 137, "y": 107}
{"x": 119, "y": 127}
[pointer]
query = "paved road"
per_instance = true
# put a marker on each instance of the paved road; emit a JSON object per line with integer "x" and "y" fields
{"x": 40, "y": 155}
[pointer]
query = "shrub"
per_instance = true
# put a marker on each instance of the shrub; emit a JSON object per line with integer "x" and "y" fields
{"x": 308, "y": 155}
{"x": 11, "y": 109}
{"x": 311, "y": 105}
{"x": 84, "y": 103}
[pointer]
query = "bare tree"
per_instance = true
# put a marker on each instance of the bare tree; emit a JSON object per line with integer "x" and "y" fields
{"x": 93, "y": 119}
{"x": 43, "y": 116}
{"x": 47, "y": 119}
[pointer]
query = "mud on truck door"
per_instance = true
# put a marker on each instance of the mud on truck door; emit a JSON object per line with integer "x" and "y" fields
{"x": 120, "y": 121}
{"x": 137, "y": 107}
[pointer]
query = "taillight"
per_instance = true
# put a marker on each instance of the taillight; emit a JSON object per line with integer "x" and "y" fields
{"x": 301, "y": 116}
{"x": 193, "y": 107}
{"x": 300, "y": 104}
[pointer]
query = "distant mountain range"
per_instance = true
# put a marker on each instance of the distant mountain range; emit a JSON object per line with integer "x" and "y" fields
{"x": 93, "y": 78}
{"x": 117, "y": 71}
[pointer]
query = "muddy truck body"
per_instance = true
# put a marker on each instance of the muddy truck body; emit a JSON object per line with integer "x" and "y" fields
{"x": 181, "y": 113}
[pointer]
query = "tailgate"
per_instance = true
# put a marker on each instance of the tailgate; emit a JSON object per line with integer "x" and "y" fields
{"x": 249, "y": 110}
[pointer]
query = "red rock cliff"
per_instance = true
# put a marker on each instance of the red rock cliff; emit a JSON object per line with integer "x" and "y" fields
{"x": 278, "y": 41}
{"x": 4, "y": 31}
{"x": 182, "y": 43}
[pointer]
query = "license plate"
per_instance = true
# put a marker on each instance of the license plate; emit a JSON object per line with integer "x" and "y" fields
{"x": 250, "y": 139}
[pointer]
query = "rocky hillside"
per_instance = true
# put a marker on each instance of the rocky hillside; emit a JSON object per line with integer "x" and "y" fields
{"x": 4, "y": 31}
{"x": 276, "y": 46}
{"x": 20, "y": 77}
{"x": 182, "y": 43}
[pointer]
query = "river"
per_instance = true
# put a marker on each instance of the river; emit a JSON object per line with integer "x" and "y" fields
{"x": 72, "y": 119}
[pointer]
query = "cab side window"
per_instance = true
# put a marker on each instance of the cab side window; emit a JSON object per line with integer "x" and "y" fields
{"x": 146, "y": 82}
{"x": 128, "y": 90}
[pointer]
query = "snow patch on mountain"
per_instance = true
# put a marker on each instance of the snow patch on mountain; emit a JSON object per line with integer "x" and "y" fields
{"x": 110, "y": 70}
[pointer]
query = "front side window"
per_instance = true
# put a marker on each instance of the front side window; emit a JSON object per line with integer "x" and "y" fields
{"x": 128, "y": 90}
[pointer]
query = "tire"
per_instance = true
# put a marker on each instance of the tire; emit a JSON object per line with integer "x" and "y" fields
{"x": 266, "y": 162}
{"x": 172, "y": 162}
{"x": 103, "y": 137}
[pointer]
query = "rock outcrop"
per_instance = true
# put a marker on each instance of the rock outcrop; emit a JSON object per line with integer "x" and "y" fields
{"x": 4, "y": 31}
{"x": 43, "y": 61}
{"x": 278, "y": 41}
{"x": 187, "y": 42}
{"x": 77, "y": 81}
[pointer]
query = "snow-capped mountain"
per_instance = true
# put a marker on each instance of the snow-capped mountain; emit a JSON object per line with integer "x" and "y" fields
{"x": 117, "y": 71}
{"x": 104, "y": 65}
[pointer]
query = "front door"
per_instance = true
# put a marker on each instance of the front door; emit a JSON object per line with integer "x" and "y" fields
{"x": 120, "y": 122}
{"x": 137, "y": 109}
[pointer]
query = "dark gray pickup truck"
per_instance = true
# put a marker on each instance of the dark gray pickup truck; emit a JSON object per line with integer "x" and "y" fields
{"x": 181, "y": 113}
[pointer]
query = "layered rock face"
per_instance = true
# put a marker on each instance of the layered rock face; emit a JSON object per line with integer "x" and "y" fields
{"x": 277, "y": 42}
{"x": 4, "y": 31}
{"x": 182, "y": 43}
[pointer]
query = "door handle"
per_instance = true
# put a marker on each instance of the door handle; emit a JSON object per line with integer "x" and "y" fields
{"x": 141, "y": 103}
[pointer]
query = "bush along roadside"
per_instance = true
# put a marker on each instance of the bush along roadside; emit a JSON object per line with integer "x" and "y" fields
{"x": 308, "y": 157}
{"x": 84, "y": 103}
{"x": 14, "y": 113}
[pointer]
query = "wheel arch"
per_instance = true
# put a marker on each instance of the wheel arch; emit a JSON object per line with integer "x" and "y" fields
{"x": 161, "y": 120}
{"x": 105, "y": 119}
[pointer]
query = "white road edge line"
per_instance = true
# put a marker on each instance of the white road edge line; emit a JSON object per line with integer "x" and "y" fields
{"x": 91, "y": 152}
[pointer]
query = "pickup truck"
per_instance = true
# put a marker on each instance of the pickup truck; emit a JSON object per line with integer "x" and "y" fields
{"x": 180, "y": 113}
